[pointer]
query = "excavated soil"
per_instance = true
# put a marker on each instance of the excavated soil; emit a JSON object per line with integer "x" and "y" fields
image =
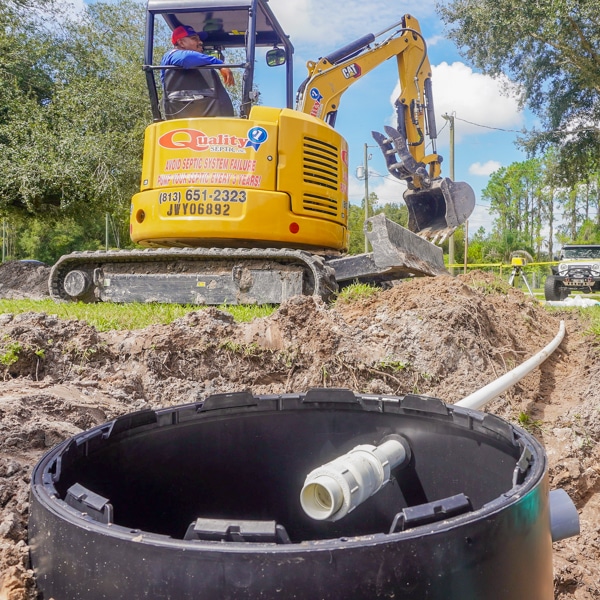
{"x": 443, "y": 337}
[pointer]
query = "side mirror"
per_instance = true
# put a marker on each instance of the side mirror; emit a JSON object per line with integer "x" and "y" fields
{"x": 276, "y": 57}
{"x": 215, "y": 53}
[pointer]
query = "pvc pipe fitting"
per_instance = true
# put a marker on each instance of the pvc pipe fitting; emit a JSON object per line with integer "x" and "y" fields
{"x": 564, "y": 518}
{"x": 333, "y": 490}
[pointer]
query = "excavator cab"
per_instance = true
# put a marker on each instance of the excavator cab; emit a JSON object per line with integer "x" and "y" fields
{"x": 436, "y": 205}
{"x": 225, "y": 25}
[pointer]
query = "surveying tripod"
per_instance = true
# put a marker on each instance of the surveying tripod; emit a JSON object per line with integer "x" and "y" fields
{"x": 517, "y": 271}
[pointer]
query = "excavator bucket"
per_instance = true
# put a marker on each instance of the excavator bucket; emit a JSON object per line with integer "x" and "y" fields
{"x": 439, "y": 205}
{"x": 435, "y": 212}
{"x": 397, "y": 254}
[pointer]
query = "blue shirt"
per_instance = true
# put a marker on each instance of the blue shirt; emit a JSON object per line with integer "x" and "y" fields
{"x": 186, "y": 59}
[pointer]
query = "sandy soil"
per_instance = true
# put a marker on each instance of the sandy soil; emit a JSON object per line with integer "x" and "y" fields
{"x": 443, "y": 337}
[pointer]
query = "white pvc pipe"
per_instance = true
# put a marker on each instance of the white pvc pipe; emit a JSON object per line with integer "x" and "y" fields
{"x": 494, "y": 389}
{"x": 333, "y": 490}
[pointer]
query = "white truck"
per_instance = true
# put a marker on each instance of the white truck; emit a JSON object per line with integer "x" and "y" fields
{"x": 578, "y": 269}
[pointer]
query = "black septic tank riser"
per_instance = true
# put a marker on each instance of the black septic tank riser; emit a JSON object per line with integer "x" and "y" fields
{"x": 202, "y": 501}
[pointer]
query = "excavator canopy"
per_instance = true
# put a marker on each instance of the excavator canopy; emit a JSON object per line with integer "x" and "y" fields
{"x": 243, "y": 24}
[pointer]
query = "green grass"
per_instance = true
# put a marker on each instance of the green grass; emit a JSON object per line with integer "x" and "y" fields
{"x": 11, "y": 353}
{"x": 526, "y": 422}
{"x": 357, "y": 291}
{"x": 590, "y": 314}
{"x": 593, "y": 314}
{"x": 106, "y": 316}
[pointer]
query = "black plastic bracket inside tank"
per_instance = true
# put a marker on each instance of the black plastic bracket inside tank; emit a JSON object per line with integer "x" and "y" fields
{"x": 330, "y": 396}
{"x": 225, "y": 530}
{"x": 87, "y": 502}
{"x": 522, "y": 466}
{"x": 432, "y": 512}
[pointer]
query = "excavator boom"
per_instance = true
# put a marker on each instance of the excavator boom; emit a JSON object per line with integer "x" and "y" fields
{"x": 436, "y": 205}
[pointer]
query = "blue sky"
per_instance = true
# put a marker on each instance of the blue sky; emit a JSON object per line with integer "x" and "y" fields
{"x": 486, "y": 119}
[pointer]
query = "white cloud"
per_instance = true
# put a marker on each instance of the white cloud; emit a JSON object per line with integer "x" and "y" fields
{"x": 484, "y": 169}
{"x": 480, "y": 218}
{"x": 478, "y": 102}
{"x": 78, "y": 6}
{"x": 330, "y": 23}
{"x": 479, "y": 99}
{"x": 435, "y": 40}
{"x": 387, "y": 188}
{"x": 70, "y": 10}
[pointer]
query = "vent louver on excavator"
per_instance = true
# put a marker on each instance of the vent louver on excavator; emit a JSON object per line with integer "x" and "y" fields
{"x": 320, "y": 167}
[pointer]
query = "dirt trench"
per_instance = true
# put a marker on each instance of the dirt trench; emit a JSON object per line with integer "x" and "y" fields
{"x": 444, "y": 337}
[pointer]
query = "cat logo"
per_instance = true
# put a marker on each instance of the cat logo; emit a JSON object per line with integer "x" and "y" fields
{"x": 351, "y": 71}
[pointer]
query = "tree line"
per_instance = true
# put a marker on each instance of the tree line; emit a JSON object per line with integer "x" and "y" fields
{"x": 549, "y": 49}
{"x": 74, "y": 107}
{"x": 532, "y": 210}
{"x": 73, "y": 110}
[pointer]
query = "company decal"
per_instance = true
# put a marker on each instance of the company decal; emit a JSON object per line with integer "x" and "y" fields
{"x": 317, "y": 97}
{"x": 206, "y": 202}
{"x": 198, "y": 141}
{"x": 344, "y": 179}
{"x": 256, "y": 137}
{"x": 352, "y": 71}
{"x": 202, "y": 170}
{"x": 210, "y": 178}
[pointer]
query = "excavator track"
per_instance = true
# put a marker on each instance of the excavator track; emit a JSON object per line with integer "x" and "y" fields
{"x": 191, "y": 276}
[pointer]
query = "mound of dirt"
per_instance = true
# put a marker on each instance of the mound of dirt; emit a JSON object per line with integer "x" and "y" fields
{"x": 443, "y": 337}
{"x": 24, "y": 279}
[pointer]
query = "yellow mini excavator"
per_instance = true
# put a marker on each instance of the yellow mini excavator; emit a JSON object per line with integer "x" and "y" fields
{"x": 254, "y": 209}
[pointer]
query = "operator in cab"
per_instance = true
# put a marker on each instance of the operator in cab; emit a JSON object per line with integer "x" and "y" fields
{"x": 188, "y": 91}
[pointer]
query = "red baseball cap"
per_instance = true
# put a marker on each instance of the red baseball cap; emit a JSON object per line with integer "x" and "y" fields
{"x": 184, "y": 31}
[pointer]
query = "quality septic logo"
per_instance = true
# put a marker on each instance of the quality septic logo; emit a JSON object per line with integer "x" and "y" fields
{"x": 198, "y": 141}
{"x": 316, "y": 95}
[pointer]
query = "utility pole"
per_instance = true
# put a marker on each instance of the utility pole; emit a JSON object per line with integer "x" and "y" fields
{"x": 366, "y": 163}
{"x": 450, "y": 119}
{"x": 466, "y": 246}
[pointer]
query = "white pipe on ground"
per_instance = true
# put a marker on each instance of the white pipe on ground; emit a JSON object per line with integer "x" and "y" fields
{"x": 494, "y": 389}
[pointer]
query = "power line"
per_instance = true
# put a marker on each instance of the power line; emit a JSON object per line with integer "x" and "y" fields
{"x": 489, "y": 127}
{"x": 524, "y": 131}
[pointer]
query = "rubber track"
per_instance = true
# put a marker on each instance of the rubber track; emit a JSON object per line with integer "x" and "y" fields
{"x": 321, "y": 275}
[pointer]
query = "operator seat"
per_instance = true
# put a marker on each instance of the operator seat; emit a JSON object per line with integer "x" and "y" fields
{"x": 195, "y": 93}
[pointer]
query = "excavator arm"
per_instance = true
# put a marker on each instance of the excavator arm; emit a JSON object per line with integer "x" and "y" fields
{"x": 437, "y": 206}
